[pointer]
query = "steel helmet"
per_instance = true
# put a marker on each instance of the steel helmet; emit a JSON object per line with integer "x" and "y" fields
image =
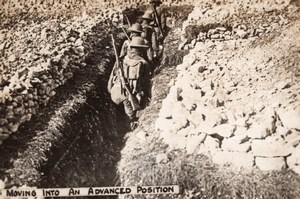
{"x": 136, "y": 28}
{"x": 148, "y": 16}
{"x": 138, "y": 42}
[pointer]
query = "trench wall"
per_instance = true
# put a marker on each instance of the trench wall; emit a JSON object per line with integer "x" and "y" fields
{"x": 243, "y": 72}
{"x": 41, "y": 49}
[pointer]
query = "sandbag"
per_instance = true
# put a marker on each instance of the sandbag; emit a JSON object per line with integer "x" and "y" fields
{"x": 116, "y": 94}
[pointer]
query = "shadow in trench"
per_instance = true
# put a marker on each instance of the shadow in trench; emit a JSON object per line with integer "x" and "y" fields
{"x": 88, "y": 154}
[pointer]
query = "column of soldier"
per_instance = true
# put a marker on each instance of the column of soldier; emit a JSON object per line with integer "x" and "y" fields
{"x": 129, "y": 82}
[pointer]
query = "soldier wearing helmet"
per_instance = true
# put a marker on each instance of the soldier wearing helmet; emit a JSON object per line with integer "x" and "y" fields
{"x": 136, "y": 71}
{"x": 136, "y": 30}
{"x": 159, "y": 18}
{"x": 149, "y": 34}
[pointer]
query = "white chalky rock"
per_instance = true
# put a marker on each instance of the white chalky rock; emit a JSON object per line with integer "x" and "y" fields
{"x": 164, "y": 124}
{"x": 235, "y": 159}
{"x": 162, "y": 158}
{"x": 293, "y": 161}
{"x": 270, "y": 148}
{"x": 269, "y": 164}
{"x": 204, "y": 128}
{"x": 141, "y": 135}
{"x": 290, "y": 119}
{"x": 282, "y": 130}
{"x": 196, "y": 117}
{"x": 258, "y": 131}
{"x": 281, "y": 84}
{"x": 177, "y": 142}
{"x": 224, "y": 130}
{"x": 241, "y": 130}
{"x": 211, "y": 145}
{"x": 166, "y": 110}
{"x": 194, "y": 141}
{"x": 212, "y": 118}
{"x": 190, "y": 130}
{"x": 234, "y": 144}
{"x": 292, "y": 138}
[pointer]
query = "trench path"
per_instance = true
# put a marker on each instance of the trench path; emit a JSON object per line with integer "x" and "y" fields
{"x": 88, "y": 153}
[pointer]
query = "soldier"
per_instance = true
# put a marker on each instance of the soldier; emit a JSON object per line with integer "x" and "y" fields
{"x": 150, "y": 35}
{"x": 136, "y": 71}
{"x": 136, "y": 30}
{"x": 159, "y": 18}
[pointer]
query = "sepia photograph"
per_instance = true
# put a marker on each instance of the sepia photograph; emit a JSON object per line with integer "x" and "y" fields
{"x": 150, "y": 99}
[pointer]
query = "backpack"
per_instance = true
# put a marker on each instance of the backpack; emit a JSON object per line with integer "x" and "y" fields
{"x": 133, "y": 67}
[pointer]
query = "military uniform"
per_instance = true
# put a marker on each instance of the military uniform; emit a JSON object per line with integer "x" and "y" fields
{"x": 136, "y": 31}
{"x": 136, "y": 72}
{"x": 150, "y": 35}
{"x": 162, "y": 20}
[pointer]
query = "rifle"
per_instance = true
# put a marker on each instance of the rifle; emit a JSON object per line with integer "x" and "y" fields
{"x": 157, "y": 21}
{"x": 133, "y": 100}
{"x": 126, "y": 33}
{"x": 128, "y": 22}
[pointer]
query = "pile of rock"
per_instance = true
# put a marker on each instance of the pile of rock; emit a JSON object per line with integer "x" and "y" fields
{"x": 236, "y": 103}
{"x": 37, "y": 58}
{"x": 241, "y": 22}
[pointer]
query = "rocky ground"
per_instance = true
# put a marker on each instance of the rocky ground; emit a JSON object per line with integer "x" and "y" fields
{"x": 245, "y": 104}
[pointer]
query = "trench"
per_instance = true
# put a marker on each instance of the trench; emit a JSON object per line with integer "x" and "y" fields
{"x": 88, "y": 151}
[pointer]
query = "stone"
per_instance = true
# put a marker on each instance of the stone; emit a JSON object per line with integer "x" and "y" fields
{"x": 212, "y": 118}
{"x": 219, "y": 97}
{"x": 162, "y": 158}
{"x": 234, "y": 144}
{"x": 259, "y": 106}
{"x": 224, "y": 130}
{"x": 166, "y": 111}
{"x": 204, "y": 128}
{"x": 270, "y": 148}
{"x": 290, "y": 119}
{"x": 235, "y": 159}
{"x": 241, "y": 33}
{"x": 176, "y": 142}
{"x": 2, "y": 45}
{"x": 211, "y": 144}
{"x": 258, "y": 131}
{"x": 282, "y": 130}
{"x": 293, "y": 161}
{"x": 281, "y": 85}
{"x": 164, "y": 124}
{"x": 194, "y": 141}
{"x": 196, "y": 118}
{"x": 180, "y": 123}
{"x": 141, "y": 135}
{"x": 215, "y": 36}
{"x": 11, "y": 58}
{"x": 269, "y": 164}
{"x": 231, "y": 117}
{"x": 190, "y": 130}
{"x": 241, "y": 130}
{"x": 292, "y": 138}
{"x": 221, "y": 29}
